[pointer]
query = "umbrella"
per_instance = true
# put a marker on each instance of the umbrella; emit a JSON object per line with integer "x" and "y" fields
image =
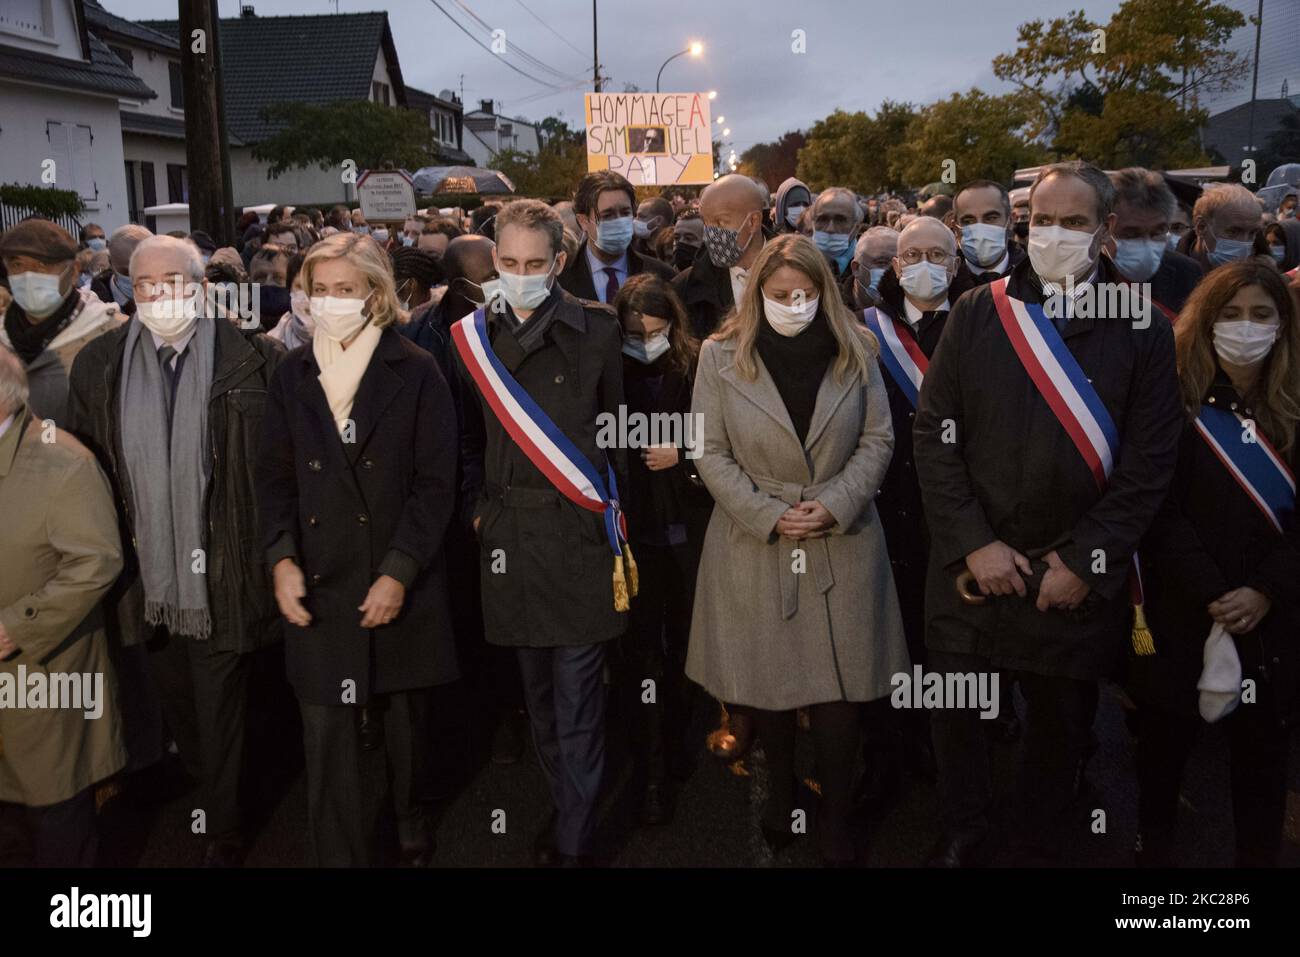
{"x": 461, "y": 179}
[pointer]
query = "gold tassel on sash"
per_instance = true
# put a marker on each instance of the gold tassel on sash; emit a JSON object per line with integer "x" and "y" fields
{"x": 1143, "y": 644}
{"x": 625, "y": 586}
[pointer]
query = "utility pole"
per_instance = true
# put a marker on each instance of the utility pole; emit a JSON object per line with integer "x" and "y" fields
{"x": 207, "y": 158}
{"x": 595, "y": 56}
{"x": 1254, "y": 83}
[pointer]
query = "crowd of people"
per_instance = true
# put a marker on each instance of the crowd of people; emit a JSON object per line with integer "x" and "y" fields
{"x": 1034, "y": 439}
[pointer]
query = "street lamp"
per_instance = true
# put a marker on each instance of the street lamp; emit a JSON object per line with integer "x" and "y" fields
{"x": 721, "y": 119}
{"x": 695, "y": 49}
{"x": 713, "y": 94}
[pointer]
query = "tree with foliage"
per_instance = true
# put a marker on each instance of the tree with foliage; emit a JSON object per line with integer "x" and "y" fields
{"x": 773, "y": 163}
{"x": 554, "y": 170}
{"x": 854, "y": 149}
{"x": 968, "y": 136}
{"x": 1127, "y": 92}
{"x": 371, "y": 135}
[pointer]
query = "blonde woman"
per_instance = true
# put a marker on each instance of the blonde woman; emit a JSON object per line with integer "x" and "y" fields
{"x": 795, "y": 604}
{"x": 355, "y": 483}
{"x": 1224, "y": 554}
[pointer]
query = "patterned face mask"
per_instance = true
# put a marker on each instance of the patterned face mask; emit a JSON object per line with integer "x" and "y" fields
{"x": 725, "y": 248}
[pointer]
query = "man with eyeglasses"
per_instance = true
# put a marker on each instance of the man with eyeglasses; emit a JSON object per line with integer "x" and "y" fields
{"x": 1045, "y": 441}
{"x": 835, "y": 218}
{"x": 1227, "y": 226}
{"x": 872, "y": 258}
{"x": 604, "y": 204}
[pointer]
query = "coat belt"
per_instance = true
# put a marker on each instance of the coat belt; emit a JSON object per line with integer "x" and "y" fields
{"x": 816, "y": 550}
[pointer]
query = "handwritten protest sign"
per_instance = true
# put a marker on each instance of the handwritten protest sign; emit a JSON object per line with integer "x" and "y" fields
{"x": 651, "y": 138}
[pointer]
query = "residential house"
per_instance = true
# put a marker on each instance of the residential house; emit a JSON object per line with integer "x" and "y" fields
{"x": 488, "y": 133}
{"x": 446, "y": 119}
{"x": 62, "y": 90}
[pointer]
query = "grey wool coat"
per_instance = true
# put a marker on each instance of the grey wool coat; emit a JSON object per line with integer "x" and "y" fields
{"x": 771, "y": 628}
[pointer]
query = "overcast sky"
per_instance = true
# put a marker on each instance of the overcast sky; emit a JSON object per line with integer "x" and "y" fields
{"x": 859, "y": 52}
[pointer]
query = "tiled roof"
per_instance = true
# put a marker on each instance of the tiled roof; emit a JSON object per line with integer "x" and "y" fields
{"x": 423, "y": 100}
{"x": 105, "y": 73}
{"x": 102, "y": 22}
{"x": 332, "y": 56}
{"x": 170, "y": 127}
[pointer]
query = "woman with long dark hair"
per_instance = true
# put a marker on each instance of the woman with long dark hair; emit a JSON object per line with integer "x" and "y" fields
{"x": 1221, "y": 564}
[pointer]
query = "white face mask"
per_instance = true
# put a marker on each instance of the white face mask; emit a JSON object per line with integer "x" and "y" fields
{"x": 1242, "y": 342}
{"x": 338, "y": 318}
{"x": 525, "y": 292}
{"x": 789, "y": 320}
{"x": 924, "y": 280}
{"x": 647, "y": 351}
{"x": 1056, "y": 252}
{"x": 167, "y": 318}
{"x": 792, "y": 215}
{"x": 300, "y": 306}
{"x": 983, "y": 244}
{"x": 36, "y": 292}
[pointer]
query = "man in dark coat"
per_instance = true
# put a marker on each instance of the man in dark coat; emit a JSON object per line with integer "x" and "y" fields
{"x": 546, "y": 563}
{"x": 1007, "y": 493}
{"x": 1144, "y": 208}
{"x": 836, "y": 216}
{"x": 114, "y": 283}
{"x": 982, "y": 209}
{"x": 201, "y": 658}
{"x": 732, "y": 209}
{"x": 1227, "y": 225}
{"x": 604, "y": 204}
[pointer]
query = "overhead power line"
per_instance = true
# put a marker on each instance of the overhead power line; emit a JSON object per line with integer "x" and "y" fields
{"x": 460, "y": 26}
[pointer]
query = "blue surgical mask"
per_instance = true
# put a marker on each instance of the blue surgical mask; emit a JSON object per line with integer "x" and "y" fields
{"x": 1139, "y": 259}
{"x": 646, "y": 351}
{"x": 1173, "y": 240}
{"x": 983, "y": 244}
{"x": 123, "y": 284}
{"x": 408, "y": 240}
{"x": 1278, "y": 252}
{"x": 1229, "y": 250}
{"x": 833, "y": 245}
{"x": 792, "y": 215}
{"x": 97, "y": 243}
{"x": 614, "y": 235}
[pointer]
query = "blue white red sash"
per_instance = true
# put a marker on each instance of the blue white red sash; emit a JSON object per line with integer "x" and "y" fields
{"x": 562, "y": 462}
{"x": 1060, "y": 380}
{"x": 1251, "y": 461}
{"x": 899, "y": 352}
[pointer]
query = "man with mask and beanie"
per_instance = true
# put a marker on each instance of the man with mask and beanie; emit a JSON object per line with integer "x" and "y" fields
{"x": 194, "y": 586}
{"x": 603, "y": 203}
{"x": 540, "y": 371}
{"x": 908, "y": 321}
{"x": 835, "y": 216}
{"x": 114, "y": 283}
{"x": 983, "y": 226}
{"x": 1045, "y": 441}
{"x": 872, "y": 257}
{"x": 792, "y": 198}
{"x": 49, "y": 320}
{"x": 732, "y": 209}
{"x": 1227, "y": 226}
{"x": 1144, "y": 207}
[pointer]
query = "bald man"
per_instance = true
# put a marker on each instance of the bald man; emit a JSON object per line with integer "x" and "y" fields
{"x": 835, "y": 218}
{"x": 732, "y": 209}
{"x": 114, "y": 283}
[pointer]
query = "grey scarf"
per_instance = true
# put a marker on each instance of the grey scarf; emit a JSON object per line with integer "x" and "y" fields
{"x": 168, "y": 479}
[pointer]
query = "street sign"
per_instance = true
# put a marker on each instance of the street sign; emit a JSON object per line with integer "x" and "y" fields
{"x": 386, "y": 196}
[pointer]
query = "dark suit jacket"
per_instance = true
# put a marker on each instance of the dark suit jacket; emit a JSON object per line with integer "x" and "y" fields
{"x": 350, "y": 512}
{"x": 995, "y": 464}
{"x": 577, "y": 279}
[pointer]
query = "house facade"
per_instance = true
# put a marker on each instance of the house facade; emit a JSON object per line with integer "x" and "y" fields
{"x": 488, "y": 133}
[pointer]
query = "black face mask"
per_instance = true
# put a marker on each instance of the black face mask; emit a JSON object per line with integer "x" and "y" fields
{"x": 1021, "y": 230}
{"x": 273, "y": 301}
{"x": 684, "y": 254}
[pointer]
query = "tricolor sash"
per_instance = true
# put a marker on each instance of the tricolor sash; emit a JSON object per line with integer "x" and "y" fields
{"x": 1060, "y": 380}
{"x": 545, "y": 445}
{"x": 1253, "y": 463}
{"x": 899, "y": 352}
{"x": 1164, "y": 310}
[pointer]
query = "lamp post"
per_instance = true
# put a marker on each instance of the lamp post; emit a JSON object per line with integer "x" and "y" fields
{"x": 695, "y": 49}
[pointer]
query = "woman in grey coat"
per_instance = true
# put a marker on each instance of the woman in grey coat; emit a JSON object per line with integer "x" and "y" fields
{"x": 795, "y": 604}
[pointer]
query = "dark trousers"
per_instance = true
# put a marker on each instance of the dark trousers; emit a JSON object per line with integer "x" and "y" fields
{"x": 204, "y": 695}
{"x": 834, "y": 727}
{"x": 54, "y": 835}
{"x": 342, "y": 831}
{"x": 1057, "y": 728}
{"x": 566, "y": 707}
{"x": 654, "y": 648}
{"x": 1257, "y": 750}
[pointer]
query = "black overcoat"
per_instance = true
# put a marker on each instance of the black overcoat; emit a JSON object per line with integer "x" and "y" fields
{"x": 1208, "y": 539}
{"x": 546, "y": 566}
{"x": 350, "y": 511}
{"x": 995, "y": 464}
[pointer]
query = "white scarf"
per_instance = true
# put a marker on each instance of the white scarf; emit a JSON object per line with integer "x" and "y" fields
{"x": 341, "y": 369}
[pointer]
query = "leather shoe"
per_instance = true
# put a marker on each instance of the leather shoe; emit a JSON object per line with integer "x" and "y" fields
{"x": 731, "y": 741}
{"x": 966, "y": 849}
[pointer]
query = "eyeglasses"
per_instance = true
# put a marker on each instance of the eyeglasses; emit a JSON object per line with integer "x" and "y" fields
{"x": 936, "y": 256}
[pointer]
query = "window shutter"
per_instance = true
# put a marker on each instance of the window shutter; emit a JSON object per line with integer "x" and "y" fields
{"x": 83, "y": 167}
{"x": 178, "y": 88}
